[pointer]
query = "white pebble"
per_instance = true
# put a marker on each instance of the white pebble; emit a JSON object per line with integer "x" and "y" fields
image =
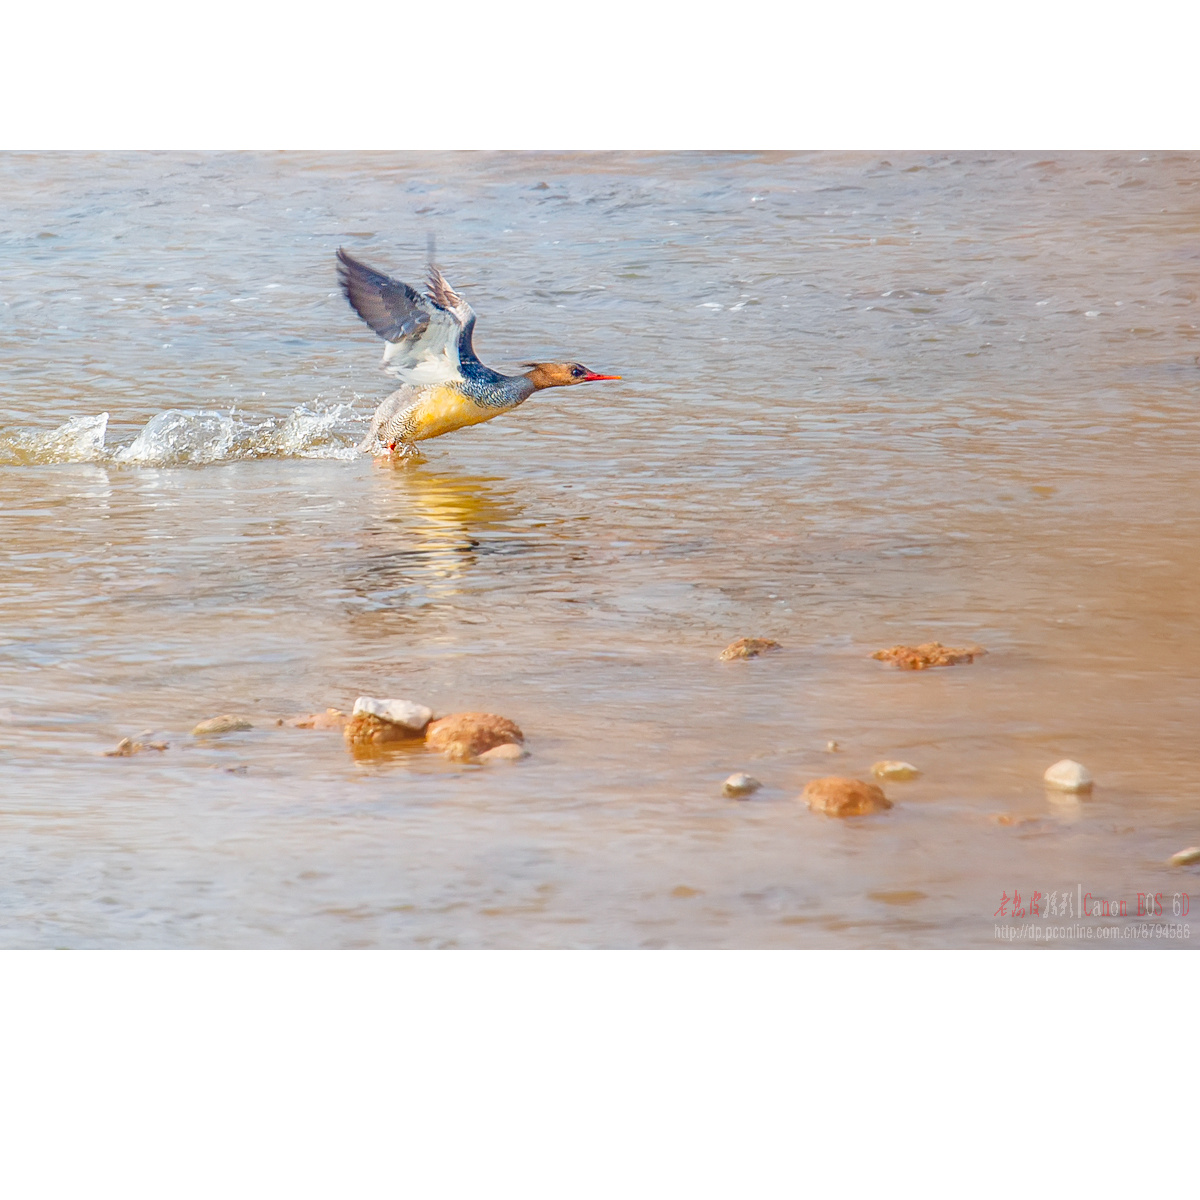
{"x": 894, "y": 770}
{"x": 1185, "y": 858}
{"x": 1068, "y": 776}
{"x": 740, "y": 785}
{"x": 404, "y": 713}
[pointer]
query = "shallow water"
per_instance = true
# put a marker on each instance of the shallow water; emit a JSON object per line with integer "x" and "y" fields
{"x": 865, "y": 401}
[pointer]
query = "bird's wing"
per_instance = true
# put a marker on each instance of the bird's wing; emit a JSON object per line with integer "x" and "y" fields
{"x": 445, "y": 297}
{"x": 423, "y": 335}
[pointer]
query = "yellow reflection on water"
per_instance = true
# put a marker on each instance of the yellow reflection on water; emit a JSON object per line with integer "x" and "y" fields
{"x": 433, "y": 520}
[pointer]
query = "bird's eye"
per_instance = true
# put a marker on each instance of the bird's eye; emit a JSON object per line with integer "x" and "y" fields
{"x": 578, "y": 372}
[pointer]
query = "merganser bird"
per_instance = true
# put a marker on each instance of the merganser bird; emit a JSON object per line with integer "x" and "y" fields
{"x": 445, "y": 387}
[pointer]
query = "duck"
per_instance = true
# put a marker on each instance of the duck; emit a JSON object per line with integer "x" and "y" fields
{"x": 444, "y": 386}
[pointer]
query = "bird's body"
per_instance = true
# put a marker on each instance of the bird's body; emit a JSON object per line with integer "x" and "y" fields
{"x": 413, "y": 414}
{"x": 429, "y": 346}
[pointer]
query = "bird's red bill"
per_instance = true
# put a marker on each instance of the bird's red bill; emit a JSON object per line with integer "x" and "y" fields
{"x": 592, "y": 376}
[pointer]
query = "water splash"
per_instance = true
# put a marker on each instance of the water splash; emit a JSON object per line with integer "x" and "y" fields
{"x": 176, "y": 436}
{"x": 311, "y": 433}
{"x": 179, "y": 437}
{"x": 81, "y": 439}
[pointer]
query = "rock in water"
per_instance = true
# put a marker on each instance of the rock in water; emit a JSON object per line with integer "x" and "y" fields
{"x": 465, "y": 736}
{"x": 894, "y": 770}
{"x": 406, "y": 714}
{"x": 377, "y": 723}
{"x": 928, "y": 654}
{"x": 739, "y": 786}
{"x": 507, "y": 752}
{"x": 1068, "y": 776}
{"x": 840, "y": 797}
{"x": 127, "y": 748}
{"x": 1185, "y": 858}
{"x": 368, "y": 732}
{"x": 226, "y": 723}
{"x": 747, "y": 648}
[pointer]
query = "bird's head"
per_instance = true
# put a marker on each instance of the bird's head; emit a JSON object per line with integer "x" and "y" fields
{"x": 548, "y": 375}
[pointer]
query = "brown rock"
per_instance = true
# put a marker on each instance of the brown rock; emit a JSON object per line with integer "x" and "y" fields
{"x": 841, "y": 797}
{"x": 331, "y": 718}
{"x": 465, "y": 736}
{"x": 928, "y": 654}
{"x": 747, "y": 648}
{"x": 369, "y": 733}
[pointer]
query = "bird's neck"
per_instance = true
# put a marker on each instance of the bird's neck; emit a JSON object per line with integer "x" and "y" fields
{"x": 493, "y": 389}
{"x": 540, "y": 377}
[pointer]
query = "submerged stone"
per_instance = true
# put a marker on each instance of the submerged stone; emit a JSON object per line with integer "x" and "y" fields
{"x": 226, "y": 723}
{"x": 928, "y": 654}
{"x": 1185, "y": 858}
{"x": 1013, "y": 819}
{"x": 747, "y": 648}
{"x": 507, "y": 752}
{"x": 837, "y": 796}
{"x": 889, "y": 769}
{"x": 127, "y": 747}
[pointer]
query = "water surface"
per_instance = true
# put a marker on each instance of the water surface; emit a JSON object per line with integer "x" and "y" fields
{"x": 866, "y": 400}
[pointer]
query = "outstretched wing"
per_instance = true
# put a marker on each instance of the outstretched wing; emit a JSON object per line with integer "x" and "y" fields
{"x": 428, "y": 337}
{"x": 445, "y": 297}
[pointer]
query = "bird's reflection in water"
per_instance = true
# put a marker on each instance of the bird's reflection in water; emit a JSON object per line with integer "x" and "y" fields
{"x": 429, "y": 532}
